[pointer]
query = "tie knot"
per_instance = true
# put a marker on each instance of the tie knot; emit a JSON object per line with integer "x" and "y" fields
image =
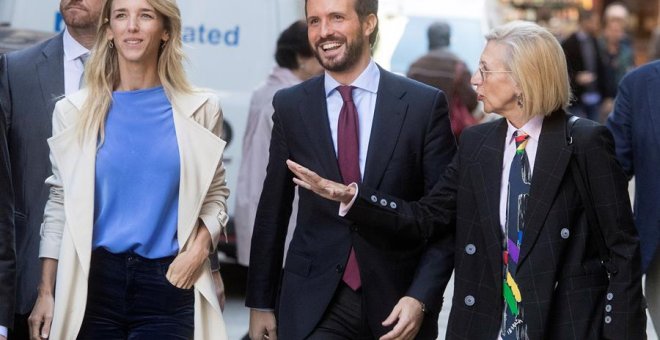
{"x": 83, "y": 58}
{"x": 521, "y": 140}
{"x": 346, "y": 93}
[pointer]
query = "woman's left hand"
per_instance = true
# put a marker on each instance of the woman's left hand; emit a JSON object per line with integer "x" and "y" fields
{"x": 185, "y": 268}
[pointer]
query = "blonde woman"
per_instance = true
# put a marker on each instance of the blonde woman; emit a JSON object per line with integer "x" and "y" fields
{"x": 137, "y": 193}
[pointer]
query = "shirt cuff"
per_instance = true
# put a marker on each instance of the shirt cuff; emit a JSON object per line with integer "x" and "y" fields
{"x": 344, "y": 208}
{"x": 3, "y": 331}
{"x": 263, "y": 309}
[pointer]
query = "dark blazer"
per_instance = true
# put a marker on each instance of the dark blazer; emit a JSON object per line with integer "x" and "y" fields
{"x": 31, "y": 81}
{"x": 410, "y": 145}
{"x": 575, "y": 63}
{"x": 7, "y": 253}
{"x": 565, "y": 289}
{"x": 635, "y": 124}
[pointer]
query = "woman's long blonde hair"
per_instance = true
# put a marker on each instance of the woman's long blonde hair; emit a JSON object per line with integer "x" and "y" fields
{"x": 102, "y": 68}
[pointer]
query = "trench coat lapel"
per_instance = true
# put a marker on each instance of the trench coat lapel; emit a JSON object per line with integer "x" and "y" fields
{"x": 76, "y": 161}
{"x": 200, "y": 152}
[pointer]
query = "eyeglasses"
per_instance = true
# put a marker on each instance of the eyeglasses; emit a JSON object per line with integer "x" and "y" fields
{"x": 483, "y": 72}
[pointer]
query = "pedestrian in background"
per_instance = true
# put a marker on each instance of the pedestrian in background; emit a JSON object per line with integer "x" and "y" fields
{"x": 31, "y": 81}
{"x": 443, "y": 70}
{"x": 138, "y": 192}
{"x": 295, "y": 63}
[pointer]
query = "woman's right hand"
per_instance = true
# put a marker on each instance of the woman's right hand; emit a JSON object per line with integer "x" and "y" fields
{"x": 41, "y": 317}
{"x": 325, "y": 188}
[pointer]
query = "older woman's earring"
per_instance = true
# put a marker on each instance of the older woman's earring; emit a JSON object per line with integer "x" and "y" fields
{"x": 163, "y": 43}
{"x": 519, "y": 99}
{"x": 111, "y": 44}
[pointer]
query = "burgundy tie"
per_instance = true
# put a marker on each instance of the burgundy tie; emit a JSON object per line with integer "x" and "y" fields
{"x": 348, "y": 146}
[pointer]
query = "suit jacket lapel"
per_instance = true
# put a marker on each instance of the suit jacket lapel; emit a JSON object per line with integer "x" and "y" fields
{"x": 654, "y": 101}
{"x": 50, "y": 71}
{"x": 200, "y": 152}
{"x": 314, "y": 116}
{"x": 388, "y": 117}
{"x": 487, "y": 178}
{"x": 552, "y": 159}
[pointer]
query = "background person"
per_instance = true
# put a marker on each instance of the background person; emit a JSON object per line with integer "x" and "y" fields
{"x": 442, "y": 69}
{"x": 295, "y": 63}
{"x": 527, "y": 261}
{"x": 137, "y": 192}
{"x": 31, "y": 81}
{"x": 635, "y": 126}
{"x": 361, "y": 123}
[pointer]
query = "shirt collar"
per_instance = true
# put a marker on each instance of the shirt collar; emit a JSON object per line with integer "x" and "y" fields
{"x": 72, "y": 48}
{"x": 532, "y": 128}
{"x": 368, "y": 80}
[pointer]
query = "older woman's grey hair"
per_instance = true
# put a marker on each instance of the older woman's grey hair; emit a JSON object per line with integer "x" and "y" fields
{"x": 537, "y": 64}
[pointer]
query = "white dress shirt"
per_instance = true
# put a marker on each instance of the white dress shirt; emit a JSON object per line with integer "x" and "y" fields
{"x": 364, "y": 97}
{"x": 73, "y": 66}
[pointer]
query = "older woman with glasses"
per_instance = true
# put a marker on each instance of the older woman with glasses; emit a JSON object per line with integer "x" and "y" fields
{"x": 545, "y": 246}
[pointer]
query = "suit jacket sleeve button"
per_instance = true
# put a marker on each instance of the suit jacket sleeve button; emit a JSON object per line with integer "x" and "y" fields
{"x": 392, "y": 205}
{"x": 469, "y": 300}
{"x": 608, "y": 308}
{"x": 339, "y": 269}
{"x": 374, "y": 198}
{"x": 565, "y": 233}
{"x": 383, "y": 202}
{"x": 608, "y": 319}
{"x": 470, "y": 249}
{"x": 610, "y": 296}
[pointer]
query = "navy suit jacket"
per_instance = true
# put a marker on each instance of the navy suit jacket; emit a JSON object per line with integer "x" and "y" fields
{"x": 410, "y": 145}
{"x": 31, "y": 81}
{"x": 7, "y": 253}
{"x": 635, "y": 124}
{"x": 566, "y": 292}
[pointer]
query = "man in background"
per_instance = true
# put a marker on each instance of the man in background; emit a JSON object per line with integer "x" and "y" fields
{"x": 443, "y": 70}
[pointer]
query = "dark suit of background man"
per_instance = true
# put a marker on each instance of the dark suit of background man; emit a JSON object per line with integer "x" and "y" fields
{"x": 7, "y": 253}
{"x": 31, "y": 81}
{"x": 405, "y": 143}
{"x": 585, "y": 67}
{"x": 635, "y": 124}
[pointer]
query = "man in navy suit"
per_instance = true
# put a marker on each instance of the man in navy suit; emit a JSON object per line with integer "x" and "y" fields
{"x": 341, "y": 280}
{"x": 635, "y": 124}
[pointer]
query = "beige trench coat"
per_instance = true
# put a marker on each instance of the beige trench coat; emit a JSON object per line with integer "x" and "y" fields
{"x": 66, "y": 233}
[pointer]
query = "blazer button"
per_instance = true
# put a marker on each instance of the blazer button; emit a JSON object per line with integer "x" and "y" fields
{"x": 469, "y": 301}
{"x": 374, "y": 198}
{"x": 392, "y": 205}
{"x": 470, "y": 249}
{"x": 610, "y": 296}
{"x": 565, "y": 233}
{"x": 383, "y": 202}
{"x": 339, "y": 269}
{"x": 608, "y": 308}
{"x": 608, "y": 319}
{"x": 354, "y": 228}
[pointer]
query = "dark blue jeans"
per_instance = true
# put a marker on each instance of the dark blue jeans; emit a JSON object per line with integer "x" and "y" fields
{"x": 130, "y": 298}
